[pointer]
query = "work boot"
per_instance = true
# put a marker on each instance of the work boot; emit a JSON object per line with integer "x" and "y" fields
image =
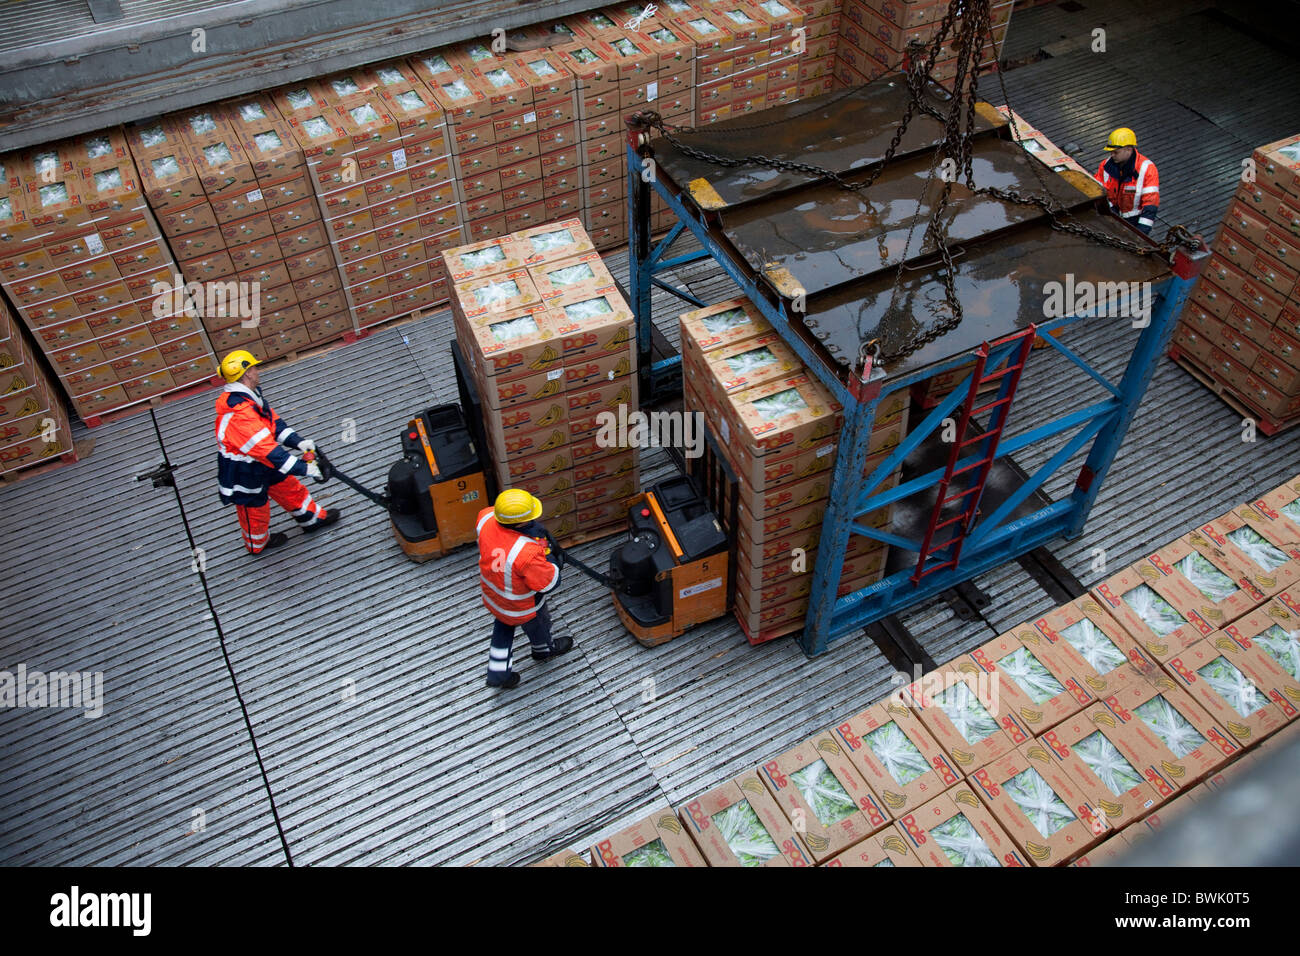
{"x": 509, "y": 682}
{"x": 330, "y": 518}
{"x": 274, "y": 541}
{"x": 561, "y": 645}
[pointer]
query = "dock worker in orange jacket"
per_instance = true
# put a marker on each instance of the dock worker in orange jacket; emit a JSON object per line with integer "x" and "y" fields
{"x": 254, "y": 463}
{"x": 1131, "y": 181}
{"x": 516, "y": 572}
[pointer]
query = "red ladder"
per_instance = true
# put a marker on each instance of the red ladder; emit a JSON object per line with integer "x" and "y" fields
{"x": 979, "y": 470}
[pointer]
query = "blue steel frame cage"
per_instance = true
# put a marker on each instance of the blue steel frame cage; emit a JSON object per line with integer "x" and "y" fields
{"x": 992, "y": 540}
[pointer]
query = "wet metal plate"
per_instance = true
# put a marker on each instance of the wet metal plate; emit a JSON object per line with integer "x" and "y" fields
{"x": 1002, "y": 287}
{"x": 836, "y": 131}
{"x": 824, "y": 236}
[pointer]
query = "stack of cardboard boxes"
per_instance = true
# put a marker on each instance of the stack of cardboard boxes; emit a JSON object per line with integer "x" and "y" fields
{"x": 551, "y": 347}
{"x": 83, "y": 260}
{"x": 778, "y": 429}
{"x": 1066, "y": 740}
{"x": 1240, "y": 333}
{"x": 226, "y": 182}
{"x": 33, "y": 423}
{"x": 377, "y": 156}
{"x": 874, "y": 35}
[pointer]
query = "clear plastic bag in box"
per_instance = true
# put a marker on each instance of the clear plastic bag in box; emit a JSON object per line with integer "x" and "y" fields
{"x": 457, "y": 89}
{"x": 723, "y": 321}
{"x": 108, "y": 179}
{"x": 823, "y": 793}
{"x": 588, "y": 308}
{"x": 203, "y": 123}
{"x": 514, "y": 328}
{"x": 1039, "y": 802}
{"x": 624, "y": 47}
{"x": 1030, "y": 675}
{"x": 571, "y": 274}
{"x": 962, "y": 844}
{"x": 478, "y": 53}
{"x": 1258, "y": 548}
{"x": 885, "y": 862}
{"x": 1283, "y": 646}
{"x": 165, "y": 166}
{"x": 300, "y": 99}
{"x": 365, "y": 113}
{"x": 542, "y": 68}
{"x": 267, "y": 141}
{"x": 1291, "y": 152}
{"x": 409, "y": 100}
{"x": 900, "y": 756}
{"x": 153, "y": 136}
{"x": 437, "y": 63}
{"x": 1170, "y": 726}
{"x": 653, "y": 853}
{"x": 54, "y": 193}
{"x": 664, "y": 35}
{"x": 771, "y": 407}
{"x": 703, "y": 26}
{"x": 546, "y": 241}
{"x": 1091, "y": 642}
{"x": 774, "y": 7}
{"x": 1105, "y": 760}
{"x": 217, "y": 154}
{"x": 483, "y": 257}
{"x": 251, "y": 112}
{"x": 1157, "y": 613}
{"x": 345, "y": 86}
{"x": 389, "y": 77}
{"x": 739, "y": 16}
{"x": 97, "y": 146}
{"x": 967, "y": 714}
{"x": 1206, "y": 578}
{"x": 746, "y": 363}
{"x": 317, "y": 126}
{"x": 496, "y": 291}
{"x": 6, "y": 207}
{"x": 745, "y": 834}
{"x": 1233, "y": 686}
{"x": 499, "y": 77}
{"x": 46, "y": 163}
{"x": 1292, "y": 510}
{"x": 583, "y": 55}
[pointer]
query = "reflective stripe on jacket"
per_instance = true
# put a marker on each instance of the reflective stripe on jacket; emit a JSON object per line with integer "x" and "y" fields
{"x": 251, "y": 442}
{"x": 1133, "y": 192}
{"x": 513, "y": 571}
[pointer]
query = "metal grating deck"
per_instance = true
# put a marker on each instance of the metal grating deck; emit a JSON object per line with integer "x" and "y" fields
{"x": 425, "y": 765}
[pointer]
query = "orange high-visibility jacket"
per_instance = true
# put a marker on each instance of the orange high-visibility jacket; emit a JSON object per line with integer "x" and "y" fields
{"x": 513, "y": 571}
{"x": 253, "y": 443}
{"x": 1136, "y": 199}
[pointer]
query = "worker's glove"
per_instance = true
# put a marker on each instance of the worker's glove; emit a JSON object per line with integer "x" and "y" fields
{"x": 313, "y": 471}
{"x": 306, "y": 444}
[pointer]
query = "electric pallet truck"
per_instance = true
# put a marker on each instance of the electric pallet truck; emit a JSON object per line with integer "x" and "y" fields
{"x": 670, "y": 573}
{"x": 435, "y": 490}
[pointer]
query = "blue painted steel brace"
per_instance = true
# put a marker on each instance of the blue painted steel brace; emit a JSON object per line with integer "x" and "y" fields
{"x": 993, "y": 540}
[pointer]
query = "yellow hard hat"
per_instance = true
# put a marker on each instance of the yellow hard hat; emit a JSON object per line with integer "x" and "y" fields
{"x": 515, "y": 506}
{"x": 1121, "y": 137}
{"x": 234, "y": 365}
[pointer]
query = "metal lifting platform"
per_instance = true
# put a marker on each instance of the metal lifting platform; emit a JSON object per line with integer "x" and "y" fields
{"x": 833, "y": 269}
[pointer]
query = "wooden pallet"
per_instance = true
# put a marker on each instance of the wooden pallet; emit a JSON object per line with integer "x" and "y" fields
{"x": 594, "y": 534}
{"x": 153, "y": 401}
{"x": 781, "y": 630}
{"x": 1266, "y": 423}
